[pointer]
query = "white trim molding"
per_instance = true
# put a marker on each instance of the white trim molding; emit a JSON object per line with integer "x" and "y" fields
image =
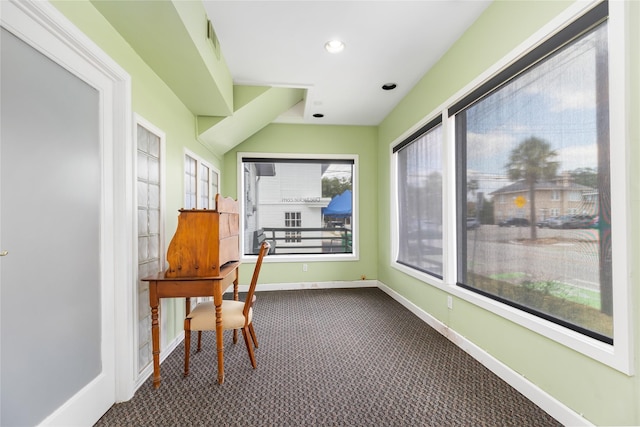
{"x": 47, "y": 30}
{"x": 311, "y": 285}
{"x": 545, "y": 401}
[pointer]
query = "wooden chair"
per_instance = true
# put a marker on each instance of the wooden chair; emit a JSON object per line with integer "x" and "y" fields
{"x": 235, "y": 315}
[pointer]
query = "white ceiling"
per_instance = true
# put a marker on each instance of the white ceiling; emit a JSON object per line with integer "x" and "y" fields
{"x": 281, "y": 43}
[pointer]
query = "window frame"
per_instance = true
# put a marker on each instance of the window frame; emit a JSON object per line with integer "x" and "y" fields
{"x": 212, "y": 170}
{"x": 423, "y": 129}
{"x": 140, "y": 294}
{"x": 618, "y": 355}
{"x": 355, "y": 233}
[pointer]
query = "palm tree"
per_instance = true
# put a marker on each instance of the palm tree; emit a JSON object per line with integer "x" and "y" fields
{"x": 531, "y": 161}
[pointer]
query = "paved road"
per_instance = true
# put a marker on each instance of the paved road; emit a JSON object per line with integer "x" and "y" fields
{"x": 567, "y": 256}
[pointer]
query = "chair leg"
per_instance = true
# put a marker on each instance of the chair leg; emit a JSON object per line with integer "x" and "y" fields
{"x": 199, "y": 340}
{"x": 253, "y": 335}
{"x": 187, "y": 345}
{"x": 252, "y": 357}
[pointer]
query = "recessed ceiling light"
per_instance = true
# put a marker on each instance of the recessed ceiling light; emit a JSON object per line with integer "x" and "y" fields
{"x": 334, "y": 46}
{"x": 389, "y": 86}
{"x": 318, "y": 115}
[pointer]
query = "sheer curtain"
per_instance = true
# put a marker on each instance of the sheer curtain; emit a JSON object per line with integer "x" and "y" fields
{"x": 420, "y": 202}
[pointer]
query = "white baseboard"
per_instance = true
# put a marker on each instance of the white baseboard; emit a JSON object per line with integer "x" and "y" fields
{"x": 311, "y": 285}
{"x": 545, "y": 401}
{"x": 86, "y": 406}
{"x": 148, "y": 371}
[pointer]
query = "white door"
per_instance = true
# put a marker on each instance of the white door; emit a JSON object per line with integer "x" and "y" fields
{"x": 60, "y": 231}
{"x": 50, "y": 281}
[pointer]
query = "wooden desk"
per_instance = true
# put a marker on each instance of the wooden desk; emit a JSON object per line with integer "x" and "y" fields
{"x": 186, "y": 287}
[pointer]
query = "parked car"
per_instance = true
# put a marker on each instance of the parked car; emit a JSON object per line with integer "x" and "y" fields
{"x": 563, "y": 221}
{"x": 472, "y": 223}
{"x": 571, "y": 221}
{"x": 582, "y": 221}
{"x": 426, "y": 230}
{"x": 514, "y": 222}
{"x": 545, "y": 222}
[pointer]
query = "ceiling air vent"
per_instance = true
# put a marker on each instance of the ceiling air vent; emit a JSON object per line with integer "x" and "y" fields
{"x": 211, "y": 35}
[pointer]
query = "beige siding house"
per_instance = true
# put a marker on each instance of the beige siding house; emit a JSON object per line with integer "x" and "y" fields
{"x": 553, "y": 198}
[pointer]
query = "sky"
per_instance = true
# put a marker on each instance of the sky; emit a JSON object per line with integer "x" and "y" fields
{"x": 554, "y": 101}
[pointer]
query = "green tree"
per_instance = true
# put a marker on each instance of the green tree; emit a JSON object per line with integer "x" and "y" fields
{"x": 532, "y": 161}
{"x": 486, "y": 213}
{"x": 472, "y": 188}
{"x": 332, "y": 187}
{"x": 585, "y": 176}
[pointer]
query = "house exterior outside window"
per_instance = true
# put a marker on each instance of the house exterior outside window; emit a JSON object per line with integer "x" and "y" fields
{"x": 315, "y": 194}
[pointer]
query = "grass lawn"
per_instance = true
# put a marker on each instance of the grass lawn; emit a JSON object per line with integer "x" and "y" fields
{"x": 578, "y": 306}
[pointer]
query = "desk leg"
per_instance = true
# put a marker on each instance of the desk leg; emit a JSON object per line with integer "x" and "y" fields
{"x": 235, "y": 298}
{"x": 155, "y": 334}
{"x": 219, "y": 342}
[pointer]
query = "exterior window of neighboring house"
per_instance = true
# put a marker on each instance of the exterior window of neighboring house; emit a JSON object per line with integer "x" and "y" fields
{"x": 150, "y": 146}
{"x": 554, "y": 212}
{"x": 419, "y": 170}
{"x": 315, "y": 194}
{"x": 293, "y": 220}
{"x": 201, "y": 183}
{"x": 542, "y": 122}
{"x": 575, "y": 196}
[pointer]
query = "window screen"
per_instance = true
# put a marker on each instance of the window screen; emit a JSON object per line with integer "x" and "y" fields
{"x": 419, "y": 165}
{"x": 534, "y": 208}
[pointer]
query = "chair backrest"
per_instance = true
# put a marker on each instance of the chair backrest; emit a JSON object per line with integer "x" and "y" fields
{"x": 264, "y": 249}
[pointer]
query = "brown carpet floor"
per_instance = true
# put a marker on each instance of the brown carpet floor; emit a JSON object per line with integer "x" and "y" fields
{"x": 338, "y": 357}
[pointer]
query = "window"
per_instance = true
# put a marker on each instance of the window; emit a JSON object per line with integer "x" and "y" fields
{"x": 201, "y": 183}
{"x": 205, "y": 193}
{"x": 419, "y": 172}
{"x": 292, "y": 220}
{"x": 150, "y": 149}
{"x": 313, "y": 194}
{"x": 190, "y": 182}
{"x": 542, "y": 123}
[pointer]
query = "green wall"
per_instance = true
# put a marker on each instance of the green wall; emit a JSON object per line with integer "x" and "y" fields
{"x": 305, "y": 139}
{"x": 603, "y": 395}
{"x": 154, "y": 101}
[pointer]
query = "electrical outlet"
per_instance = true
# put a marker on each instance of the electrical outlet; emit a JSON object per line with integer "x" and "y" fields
{"x": 304, "y": 267}
{"x": 450, "y": 302}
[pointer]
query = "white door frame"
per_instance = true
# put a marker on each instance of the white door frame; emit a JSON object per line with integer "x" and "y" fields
{"x": 43, "y": 27}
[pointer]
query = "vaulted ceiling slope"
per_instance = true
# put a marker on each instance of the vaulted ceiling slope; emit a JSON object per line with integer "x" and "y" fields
{"x": 240, "y": 65}
{"x": 175, "y": 40}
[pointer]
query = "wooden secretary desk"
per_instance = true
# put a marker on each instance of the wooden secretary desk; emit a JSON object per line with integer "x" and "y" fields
{"x": 203, "y": 259}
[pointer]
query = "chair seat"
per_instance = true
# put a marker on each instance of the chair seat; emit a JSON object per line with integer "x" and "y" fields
{"x": 203, "y": 317}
